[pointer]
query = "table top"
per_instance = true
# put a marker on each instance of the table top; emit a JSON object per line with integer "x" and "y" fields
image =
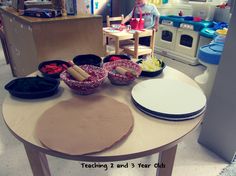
{"x": 121, "y": 35}
{"x": 149, "y": 135}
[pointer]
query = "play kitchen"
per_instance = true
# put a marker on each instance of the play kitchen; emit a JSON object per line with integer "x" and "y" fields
{"x": 180, "y": 36}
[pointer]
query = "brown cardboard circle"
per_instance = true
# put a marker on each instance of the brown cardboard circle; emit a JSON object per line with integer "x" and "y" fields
{"x": 84, "y": 125}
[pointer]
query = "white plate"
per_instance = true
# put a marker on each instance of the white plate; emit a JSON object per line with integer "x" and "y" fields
{"x": 169, "y": 97}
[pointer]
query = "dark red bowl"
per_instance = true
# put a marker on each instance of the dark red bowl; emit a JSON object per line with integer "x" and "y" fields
{"x": 86, "y": 87}
{"x": 119, "y": 79}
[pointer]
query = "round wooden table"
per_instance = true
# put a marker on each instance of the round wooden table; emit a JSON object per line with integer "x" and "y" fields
{"x": 149, "y": 135}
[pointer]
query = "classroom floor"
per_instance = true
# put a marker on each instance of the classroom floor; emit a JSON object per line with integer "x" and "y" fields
{"x": 192, "y": 159}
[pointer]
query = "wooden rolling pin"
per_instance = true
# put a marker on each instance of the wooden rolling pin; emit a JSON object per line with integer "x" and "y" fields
{"x": 125, "y": 71}
{"x": 77, "y": 76}
{"x": 131, "y": 71}
{"x": 79, "y": 70}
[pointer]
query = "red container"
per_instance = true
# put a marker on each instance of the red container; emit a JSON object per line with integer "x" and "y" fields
{"x": 137, "y": 23}
{"x": 197, "y": 19}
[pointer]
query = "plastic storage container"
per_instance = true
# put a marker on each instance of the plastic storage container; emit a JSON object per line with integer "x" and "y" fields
{"x": 209, "y": 56}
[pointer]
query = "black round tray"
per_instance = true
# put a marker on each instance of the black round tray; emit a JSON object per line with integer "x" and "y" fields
{"x": 40, "y": 87}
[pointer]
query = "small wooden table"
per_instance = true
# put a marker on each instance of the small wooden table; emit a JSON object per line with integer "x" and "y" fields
{"x": 117, "y": 36}
{"x": 149, "y": 135}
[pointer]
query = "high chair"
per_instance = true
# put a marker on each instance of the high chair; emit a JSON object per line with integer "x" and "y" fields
{"x": 137, "y": 49}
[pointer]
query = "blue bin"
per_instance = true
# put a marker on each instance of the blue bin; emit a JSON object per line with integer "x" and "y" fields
{"x": 211, "y": 53}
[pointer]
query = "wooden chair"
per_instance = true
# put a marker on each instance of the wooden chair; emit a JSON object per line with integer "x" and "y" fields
{"x": 110, "y": 49}
{"x": 116, "y": 20}
{"x": 137, "y": 49}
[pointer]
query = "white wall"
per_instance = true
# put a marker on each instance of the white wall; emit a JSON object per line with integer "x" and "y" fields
{"x": 219, "y": 127}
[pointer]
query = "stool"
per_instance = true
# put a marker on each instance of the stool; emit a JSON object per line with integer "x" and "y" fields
{"x": 209, "y": 56}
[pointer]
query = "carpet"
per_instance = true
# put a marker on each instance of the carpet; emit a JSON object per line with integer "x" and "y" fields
{"x": 230, "y": 170}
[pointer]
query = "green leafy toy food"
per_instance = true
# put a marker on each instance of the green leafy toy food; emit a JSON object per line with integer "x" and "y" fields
{"x": 151, "y": 64}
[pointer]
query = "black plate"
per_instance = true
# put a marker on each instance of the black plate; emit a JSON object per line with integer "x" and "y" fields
{"x": 152, "y": 74}
{"x": 58, "y": 62}
{"x": 164, "y": 116}
{"x": 32, "y": 87}
{"x": 122, "y": 56}
{"x": 88, "y": 59}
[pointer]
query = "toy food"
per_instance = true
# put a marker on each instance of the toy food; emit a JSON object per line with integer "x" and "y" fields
{"x": 125, "y": 71}
{"x": 77, "y": 73}
{"x": 53, "y": 68}
{"x": 151, "y": 64}
{"x": 114, "y": 58}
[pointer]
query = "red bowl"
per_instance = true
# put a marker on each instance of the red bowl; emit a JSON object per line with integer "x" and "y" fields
{"x": 119, "y": 79}
{"x": 86, "y": 87}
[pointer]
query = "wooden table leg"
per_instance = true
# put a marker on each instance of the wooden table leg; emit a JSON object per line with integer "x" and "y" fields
{"x": 38, "y": 162}
{"x": 166, "y": 157}
{"x": 117, "y": 45}
{"x": 104, "y": 40}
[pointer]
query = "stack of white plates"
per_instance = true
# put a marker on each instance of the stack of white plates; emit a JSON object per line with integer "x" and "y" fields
{"x": 169, "y": 99}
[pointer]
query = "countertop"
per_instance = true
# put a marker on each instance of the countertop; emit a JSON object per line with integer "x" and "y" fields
{"x": 33, "y": 20}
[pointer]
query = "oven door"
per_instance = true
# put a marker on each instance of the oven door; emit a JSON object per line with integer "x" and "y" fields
{"x": 166, "y": 37}
{"x": 186, "y": 42}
